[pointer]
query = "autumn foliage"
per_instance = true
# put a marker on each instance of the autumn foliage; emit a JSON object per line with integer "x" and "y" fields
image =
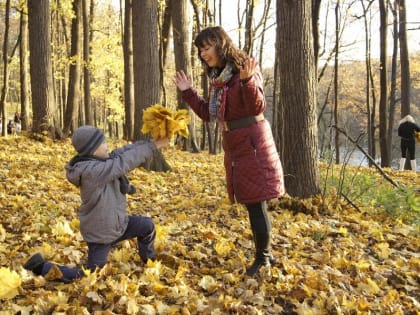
{"x": 163, "y": 122}
{"x": 330, "y": 259}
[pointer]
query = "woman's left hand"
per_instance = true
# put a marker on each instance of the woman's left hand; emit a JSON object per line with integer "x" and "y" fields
{"x": 248, "y": 69}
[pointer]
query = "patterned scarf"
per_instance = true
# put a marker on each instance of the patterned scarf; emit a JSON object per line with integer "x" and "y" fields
{"x": 218, "y": 89}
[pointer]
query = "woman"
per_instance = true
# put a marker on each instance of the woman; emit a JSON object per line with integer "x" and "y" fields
{"x": 406, "y": 130}
{"x": 253, "y": 169}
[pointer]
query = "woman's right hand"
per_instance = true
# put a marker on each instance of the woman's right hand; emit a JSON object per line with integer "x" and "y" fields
{"x": 182, "y": 81}
{"x": 161, "y": 143}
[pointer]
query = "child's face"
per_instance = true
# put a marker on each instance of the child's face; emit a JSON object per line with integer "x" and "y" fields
{"x": 102, "y": 151}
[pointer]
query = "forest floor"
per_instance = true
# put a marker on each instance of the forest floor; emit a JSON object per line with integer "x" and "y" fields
{"x": 329, "y": 259}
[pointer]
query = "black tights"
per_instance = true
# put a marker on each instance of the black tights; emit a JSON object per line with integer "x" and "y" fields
{"x": 258, "y": 217}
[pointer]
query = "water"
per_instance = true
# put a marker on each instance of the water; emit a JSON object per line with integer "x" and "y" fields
{"x": 357, "y": 158}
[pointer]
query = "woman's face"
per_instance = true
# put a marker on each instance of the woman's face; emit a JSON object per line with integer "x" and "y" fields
{"x": 209, "y": 55}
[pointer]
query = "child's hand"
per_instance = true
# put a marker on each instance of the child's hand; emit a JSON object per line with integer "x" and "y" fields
{"x": 161, "y": 143}
{"x": 182, "y": 81}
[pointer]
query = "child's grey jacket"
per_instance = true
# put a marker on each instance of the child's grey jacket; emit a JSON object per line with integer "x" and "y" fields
{"x": 102, "y": 214}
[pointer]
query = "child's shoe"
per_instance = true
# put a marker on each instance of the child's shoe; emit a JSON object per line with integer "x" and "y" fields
{"x": 35, "y": 263}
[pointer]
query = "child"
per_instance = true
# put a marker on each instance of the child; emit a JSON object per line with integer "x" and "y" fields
{"x": 103, "y": 187}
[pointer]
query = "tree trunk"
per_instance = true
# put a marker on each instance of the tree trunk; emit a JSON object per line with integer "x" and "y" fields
{"x": 43, "y": 102}
{"x": 166, "y": 27}
{"x": 249, "y": 30}
{"x": 5, "y": 87}
{"x": 393, "y": 88}
{"x": 336, "y": 53}
{"x": 316, "y": 5}
{"x": 298, "y": 101}
{"x": 73, "y": 99}
{"x": 86, "y": 62}
{"x": 128, "y": 72}
{"x": 24, "y": 69}
{"x": 146, "y": 61}
{"x": 181, "y": 42}
{"x": 405, "y": 64}
{"x": 369, "y": 108}
{"x": 383, "y": 102}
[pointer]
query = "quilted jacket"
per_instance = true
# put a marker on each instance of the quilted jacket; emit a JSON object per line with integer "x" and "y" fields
{"x": 253, "y": 169}
{"x": 102, "y": 214}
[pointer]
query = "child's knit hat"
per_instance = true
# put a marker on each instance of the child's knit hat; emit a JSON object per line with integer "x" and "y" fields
{"x": 86, "y": 139}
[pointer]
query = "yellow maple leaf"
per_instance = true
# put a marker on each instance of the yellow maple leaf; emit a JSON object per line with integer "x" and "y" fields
{"x": 369, "y": 287}
{"x": 10, "y": 282}
{"x": 162, "y": 122}
{"x": 223, "y": 247}
{"x": 2, "y": 233}
{"x": 208, "y": 283}
{"x": 382, "y": 250}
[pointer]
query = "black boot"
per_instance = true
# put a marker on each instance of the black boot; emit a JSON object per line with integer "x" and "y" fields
{"x": 270, "y": 254}
{"x": 262, "y": 253}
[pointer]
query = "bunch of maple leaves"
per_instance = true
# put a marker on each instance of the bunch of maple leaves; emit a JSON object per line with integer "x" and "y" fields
{"x": 162, "y": 122}
{"x": 329, "y": 261}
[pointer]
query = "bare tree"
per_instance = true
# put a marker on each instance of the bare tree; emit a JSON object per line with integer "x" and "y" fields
{"x": 369, "y": 89}
{"x": 249, "y": 30}
{"x": 393, "y": 87}
{"x": 383, "y": 102}
{"x": 336, "y": 53}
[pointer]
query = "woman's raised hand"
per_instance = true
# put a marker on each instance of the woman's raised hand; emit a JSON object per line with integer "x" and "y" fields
{"x": 248, "y": 68}
{"x": 182, "y": 81}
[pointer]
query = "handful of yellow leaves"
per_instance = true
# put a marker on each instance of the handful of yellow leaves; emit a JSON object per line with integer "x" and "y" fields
{"x": 417, "y": 136}
{"x": 162, "y": 122}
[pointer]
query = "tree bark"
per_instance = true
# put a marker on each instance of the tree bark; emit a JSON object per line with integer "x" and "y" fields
{"x": 128, "y": 72}
{"x": 5, "y": 87}
{"x": 405, "y": 63}
{"x": 335, "y": 110}
{"x": 86, "y": 62}
{"x": 180, "y": 23}
{"x": 393, "y": 88}
{"x": 298, "y": 100}
{"x": 146, "y": 63}
{"x": 24, "y": 69}
{"x": 43, "y": 102}
{"x": 73, "y": 98}
{"x": 383, "y": 102}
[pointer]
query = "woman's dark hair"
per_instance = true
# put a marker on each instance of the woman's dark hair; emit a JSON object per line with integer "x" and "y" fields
{"x": 225, "y": 48}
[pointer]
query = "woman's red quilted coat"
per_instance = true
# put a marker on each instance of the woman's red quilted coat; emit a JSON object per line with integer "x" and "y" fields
{"x": 253, "y": 168}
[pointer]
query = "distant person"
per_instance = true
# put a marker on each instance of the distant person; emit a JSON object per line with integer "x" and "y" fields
{"x": 254, "y": 172}
{"x": 16, "y": 118}
{"x": 18, "y": 127}
{"x": 11, "y": 128}
{"x": 406, "y": 130}
{"x": 100, "y": 176}
{"x": 18, "y": 123}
